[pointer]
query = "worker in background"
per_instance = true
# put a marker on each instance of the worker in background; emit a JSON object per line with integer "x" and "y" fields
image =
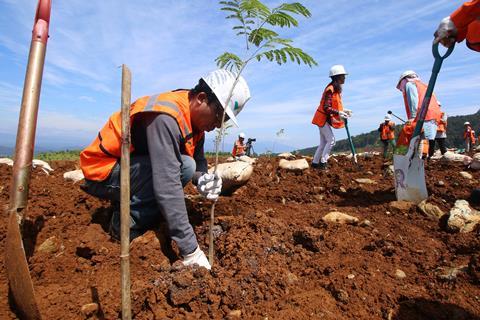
{"x": 413, "y": 90}
{"x": 468, "y": 137}
{"x": 463, "y": 23}
{"x": 441, "y": 135}
{"x": 168, "y": 134}
{"x": 239, "y": 146}
{"x": 387, "y": 135}
{"x": 330, "y": 114}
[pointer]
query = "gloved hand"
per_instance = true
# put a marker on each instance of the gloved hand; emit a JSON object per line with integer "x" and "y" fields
{"x": 445, "y": 33}
{"x": 348, "y": 111}
{"x": 196, "y": 257}
{"x": 210, "y": 186}
{"x": 343, "y": 114}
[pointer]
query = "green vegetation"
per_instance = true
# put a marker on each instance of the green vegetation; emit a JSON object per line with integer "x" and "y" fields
{"x": 371, "y": 140}
{"x": 58, "y": 155}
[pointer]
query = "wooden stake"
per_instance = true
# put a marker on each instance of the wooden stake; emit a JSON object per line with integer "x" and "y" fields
{"x": 125, "y": 195}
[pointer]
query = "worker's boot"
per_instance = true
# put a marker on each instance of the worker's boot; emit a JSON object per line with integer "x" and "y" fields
{"x": 322, "y": 166}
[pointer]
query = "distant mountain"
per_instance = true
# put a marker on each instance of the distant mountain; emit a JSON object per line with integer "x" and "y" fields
{"x": 371, "y": 140}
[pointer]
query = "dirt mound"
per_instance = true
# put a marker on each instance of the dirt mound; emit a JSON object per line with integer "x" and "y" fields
{"x": 275, "y": 257}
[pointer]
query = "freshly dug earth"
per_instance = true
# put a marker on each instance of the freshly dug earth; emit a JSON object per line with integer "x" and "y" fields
{"x": 275, "y": 258}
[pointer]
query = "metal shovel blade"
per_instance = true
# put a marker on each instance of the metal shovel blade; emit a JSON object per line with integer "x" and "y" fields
{"x": 409, "y": 179}
{"x": 17, "y": 271}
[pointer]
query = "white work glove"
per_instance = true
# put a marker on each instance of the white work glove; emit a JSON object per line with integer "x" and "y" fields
{"x": 445, "y": 33}
{"x": 348, "y": 111}
{"x": 210, "y": 186}
{"x": 343, "y": 114}
{"x": 196, "y": 257}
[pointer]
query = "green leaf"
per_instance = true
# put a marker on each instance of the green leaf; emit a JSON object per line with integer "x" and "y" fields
{"x": 282, "y": 19}
{"x": 229, "y": 61}
{"x": 257, "y": 36}
{"x": 281, "y": 56}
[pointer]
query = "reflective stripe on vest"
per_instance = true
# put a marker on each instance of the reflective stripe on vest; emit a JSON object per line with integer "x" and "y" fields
{"x": 433, "y": 112}
{"x": 320, "y": 116}
{"x": 98, "y": 159}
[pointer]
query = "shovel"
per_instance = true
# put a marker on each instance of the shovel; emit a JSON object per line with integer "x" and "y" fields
{"x": 352, "y": 147}
{"x": 21, "y": 286}
{"x": 393, "y": 114}
{"x": 409, "y": 169}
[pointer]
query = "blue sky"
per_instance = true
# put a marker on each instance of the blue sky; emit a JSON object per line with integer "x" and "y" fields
{"x": 170, "y": 44}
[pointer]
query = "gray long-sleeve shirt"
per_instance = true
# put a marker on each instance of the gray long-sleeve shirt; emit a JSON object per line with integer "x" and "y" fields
{"x": 159, "y": 136}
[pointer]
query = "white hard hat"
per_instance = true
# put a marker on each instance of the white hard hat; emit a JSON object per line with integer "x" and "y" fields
{"x": 241, "y": 135}
{"x": 221, "y": 82}
{"x": 466, "y": 122}
{"x": 387, "y": 118}
{"x": 404, "y": 75}
{"x": 336, "y": 70}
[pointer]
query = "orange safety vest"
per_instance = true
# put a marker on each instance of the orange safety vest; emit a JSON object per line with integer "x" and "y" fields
{"x": 433, "y": 112}
{"x": 387, "y": 131}
{"x": 406, "y": 134}
{"x": 442, "y": 125}
{"x": 320, "y": 116}
{"x": 238, "y": 148}
{"x": 469, "y": 133}
{"x": 98, "y": 159}
{"x": 467, "y": 20}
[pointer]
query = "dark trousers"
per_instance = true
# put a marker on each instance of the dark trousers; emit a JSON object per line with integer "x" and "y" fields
{"x": 144, "y": 212}
{"x": 441, "y": 145}
{"x": 387, "y": 143}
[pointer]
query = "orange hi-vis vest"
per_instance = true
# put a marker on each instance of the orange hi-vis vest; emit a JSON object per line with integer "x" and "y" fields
{"x": 433, "y": 112}
{"x": 387, "y": 131}
{"x": 406, "y": 134}
{"x": 469, "y": 133}
{"x": 467, "y": 20}
{"x": 98, "y": 159}
{"x": 238, "y": 148}
{"x": 321, "y": 116}
{"x": 442, "y": 125}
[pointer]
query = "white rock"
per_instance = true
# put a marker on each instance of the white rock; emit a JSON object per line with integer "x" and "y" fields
{"x": 293, "y": 165}
{"x": 233, "y": 174}
{"x": 475, "y": 164}
{"x": 247, "y": 159}
{"x": 7, "y": 161}
{"x": 365, "y": 181}
{"x": 43, "y": 165}
{"x": 462, "y": 217}
{"x": 75, "y": 175}
{"x": 430, "y": 209}
{"x": 339, "y": 217}
{"x": 286, "y": 155}
{"x": 466, "y": 175}
{"x": 400, "y": 274}
{"x": 453, "y": 157}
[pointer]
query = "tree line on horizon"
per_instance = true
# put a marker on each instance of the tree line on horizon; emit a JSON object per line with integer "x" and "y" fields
{"x": 371, "y": 140}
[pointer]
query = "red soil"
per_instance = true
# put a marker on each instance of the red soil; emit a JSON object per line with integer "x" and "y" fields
{"x": 274, "y": 256}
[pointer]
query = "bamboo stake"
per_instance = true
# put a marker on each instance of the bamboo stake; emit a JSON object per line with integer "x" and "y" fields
{"x": 125, "y": 195}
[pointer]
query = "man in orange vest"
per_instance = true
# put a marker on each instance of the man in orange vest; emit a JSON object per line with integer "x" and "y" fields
{"x": 463, "y": 23}
{"x": 441, "y": 135}
{"x": 387, "y": 135}
{"x": 413, "y": 90}
{"x": 469, "y": 137}
{"x": 239, "y": 146}
{"x": 168, "y": 134}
